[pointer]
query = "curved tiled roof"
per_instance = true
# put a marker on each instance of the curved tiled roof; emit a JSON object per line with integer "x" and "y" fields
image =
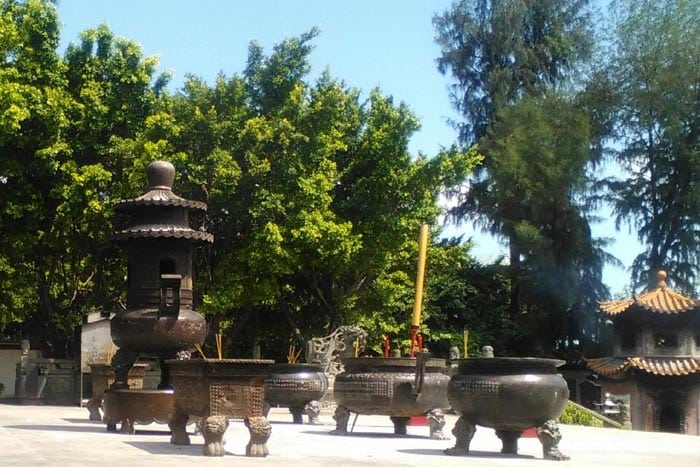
{"x": 607, "y": 366}
{"x": 163, "y": 231}
{"x": 660, "y": 299}
{"x": 153, "y": 224}
{"x": 662, "y": 366}
{"x": 160, "y": 197}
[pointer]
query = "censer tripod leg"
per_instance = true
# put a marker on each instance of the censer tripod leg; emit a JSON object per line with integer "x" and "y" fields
{"x": 353, "y": 422}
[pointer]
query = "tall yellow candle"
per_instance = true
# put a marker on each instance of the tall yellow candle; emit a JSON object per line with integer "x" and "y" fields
{"x": 422, "y": 252}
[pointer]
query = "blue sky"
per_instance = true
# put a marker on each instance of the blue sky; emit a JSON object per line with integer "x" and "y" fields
{"x": 385, "y": 44}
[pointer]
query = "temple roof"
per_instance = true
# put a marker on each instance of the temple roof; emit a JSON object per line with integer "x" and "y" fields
{"x": 660, "y": 299}
{"x": 662, "y": 366}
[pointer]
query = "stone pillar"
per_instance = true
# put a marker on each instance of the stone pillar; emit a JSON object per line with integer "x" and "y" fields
{"x": 21, "y": 371}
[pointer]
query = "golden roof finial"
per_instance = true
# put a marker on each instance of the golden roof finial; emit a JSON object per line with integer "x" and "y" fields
{"x": 661, "y": 276}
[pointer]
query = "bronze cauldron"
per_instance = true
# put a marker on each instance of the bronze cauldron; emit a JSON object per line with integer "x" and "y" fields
{"x": 149, "y": 331}
{"x": 509, "y": 395}
{"x": 298, "y": 386}
{"x": 400, "y": 387}
{"x": 218, "y": 390}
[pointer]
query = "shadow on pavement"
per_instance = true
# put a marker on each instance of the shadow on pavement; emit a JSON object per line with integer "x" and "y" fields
{"x": 168, "y": 449}
{"x": 367, "y": 434}
{"x": 473, "y": 454}
{"x": 73, "y": 429}
{"x": 82, "y": 420}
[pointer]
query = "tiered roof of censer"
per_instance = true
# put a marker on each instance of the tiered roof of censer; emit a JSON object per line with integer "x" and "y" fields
{"x": 661, "y": 300}
{"x": 160, "y": 196}
{"x": 156, "y": 223}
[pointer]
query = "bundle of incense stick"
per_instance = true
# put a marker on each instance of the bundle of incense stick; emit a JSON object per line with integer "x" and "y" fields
{"x": 110, "y": 352}
{"x": 199, "y": 349}
{"x": 293, "y": 355}
{"x": 387, "y": 345}
{"x": 219, "y": 347}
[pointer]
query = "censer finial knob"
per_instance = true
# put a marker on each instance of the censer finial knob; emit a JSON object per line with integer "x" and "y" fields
{"x": 161, "y": 175}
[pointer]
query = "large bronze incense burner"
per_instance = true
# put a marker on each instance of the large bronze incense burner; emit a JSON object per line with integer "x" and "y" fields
{"x": 298, "y": 386}
{"x": 159, "y": 318}
{"x": 400, "y": 387}
{"x": 218, "y": 390}
{"x": 509, "y": 395}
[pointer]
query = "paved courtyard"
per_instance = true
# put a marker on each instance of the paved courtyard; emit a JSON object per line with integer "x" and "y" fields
{"x": 63, "y": 436}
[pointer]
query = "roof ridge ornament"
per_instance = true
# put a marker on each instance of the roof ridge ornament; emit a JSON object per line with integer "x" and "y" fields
{"x": 661, "y": 278}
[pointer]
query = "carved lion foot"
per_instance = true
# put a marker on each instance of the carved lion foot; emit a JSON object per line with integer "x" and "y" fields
{"x": 436, "y": 422}
{"x": 457, "y": 451}
{"x": 213, "y": 429}
{"x": 260, "y": 430}
{"x": 94, "y": 405}
{"x": 313, "y": 410}
{"x": 464, "y": 432}
{"x": 549, "y": 435}
{"x": 178, "y": 426}
{"x": 341, "y": 417}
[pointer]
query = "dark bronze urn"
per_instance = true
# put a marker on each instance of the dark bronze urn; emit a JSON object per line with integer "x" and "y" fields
{"x": 159, "y": 318}
{"x": 399, "y": 387}
{"x": 509, "y": 395}
{"x": 299, "y": 387}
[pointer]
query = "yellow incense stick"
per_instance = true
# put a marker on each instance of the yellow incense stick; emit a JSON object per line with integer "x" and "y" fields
{"x": 199, "y": 349}
{"x": 422, "y": 252}
{"x": 466, "y": 343}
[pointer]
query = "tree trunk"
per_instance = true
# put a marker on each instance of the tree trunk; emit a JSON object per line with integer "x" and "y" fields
{"x": 514, "y": 278}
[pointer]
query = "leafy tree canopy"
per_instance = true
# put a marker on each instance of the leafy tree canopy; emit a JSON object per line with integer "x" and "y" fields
{"x": 651, "y": 92}
{"x": 56, "y": 176}
{"x": 314, "y": 199}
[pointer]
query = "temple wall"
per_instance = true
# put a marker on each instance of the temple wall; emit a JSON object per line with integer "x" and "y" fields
{"x": 692, "y": 412}
{"x": 9, "y": 358}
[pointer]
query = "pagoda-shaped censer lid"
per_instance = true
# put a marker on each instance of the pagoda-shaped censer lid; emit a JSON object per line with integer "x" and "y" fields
{"x": 159, "y": 212}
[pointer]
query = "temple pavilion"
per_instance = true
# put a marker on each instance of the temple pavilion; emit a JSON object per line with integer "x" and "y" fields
{"x": 656, "y": 359}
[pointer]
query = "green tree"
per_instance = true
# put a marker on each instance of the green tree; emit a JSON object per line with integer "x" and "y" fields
{"x": 540, "y": 149}
{"x": 499, "y": 51}
{"x": 512, "y": 63}
{"x": 57, "y": 174}
{"x": 314, "y": 200}
{"x": 35, "y": 115}
{"x": 464, "y": 295}
{"x": 654, "y": 70}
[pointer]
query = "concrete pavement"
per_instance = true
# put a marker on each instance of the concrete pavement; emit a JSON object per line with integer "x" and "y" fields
{"x": 63, "y": 436}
